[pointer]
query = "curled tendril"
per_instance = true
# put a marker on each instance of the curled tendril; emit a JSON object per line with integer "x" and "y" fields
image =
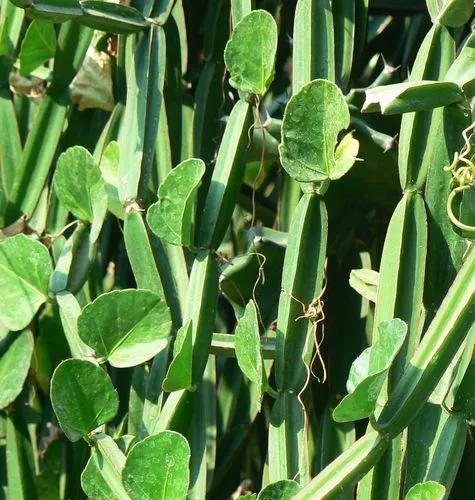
{"x": 462, "y": 169}
{"x": 450, "y": 211}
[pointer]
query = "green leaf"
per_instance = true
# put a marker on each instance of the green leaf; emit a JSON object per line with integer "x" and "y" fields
{"x": 248, "y": 346}
{"x": 171, "y": 217}
{"x": 38, "y": 46}
{"x": 109, "y": 166}
{"x": 455, "y": 13}
{"x": 83, "y": 397}
{"x": 125, "y": 327}
{"x": 280, "y": 490}
{"x": 25, "y": 268}
{"x": 365, "y": 282}
{"x": 429, "y": 490}
{"x": 314, "y": 117}
{"x": 157, "y": 467}
{"x": 15, "y": 358}
{"x": 92, "y": 478}
{"x": 180, "y": 370}
{"x": 411, "y": 96}
{"x": 80, "y": 187}
{"x": 92, "y": 482}
{"x": 462, "y": 71}
{"x": 369, "y": 371}
{"x": 250, "y": 53}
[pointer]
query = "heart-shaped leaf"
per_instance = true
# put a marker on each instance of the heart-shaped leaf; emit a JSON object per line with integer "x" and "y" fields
{"x": 15, "y": 358}
{"x": 171, "y": 217}
{"x": 314, "y": 117}
{"x": 38, "y": 46}
{"x": 25, "y": 268}
{"x": 125, "y": 327}
{"x": 248, "y": 346}
{"x": 180, "y": 369}
{"x": 157, "y": 467}
{"x": 83, "y": 397}
{"x": 250, "y": 53}
{"x": 280, "y": 490}
{"x": 80, "y": 187}
{"x": 369, "y": 371}
{"x": 429, "y": 490}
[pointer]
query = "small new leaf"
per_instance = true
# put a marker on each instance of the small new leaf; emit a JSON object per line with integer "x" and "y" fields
{"x": 365, "y": 282}
{"x": 280, "y": 490}
{"x": 109, "y": 166}
{"x": 180, "y": 369}
{"x": 429, "y": 490}
{"x": 345, "y": 156}
{"x": 248, "y": 346}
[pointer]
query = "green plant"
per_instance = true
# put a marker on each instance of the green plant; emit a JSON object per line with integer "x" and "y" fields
{"x": 203, "y": 291}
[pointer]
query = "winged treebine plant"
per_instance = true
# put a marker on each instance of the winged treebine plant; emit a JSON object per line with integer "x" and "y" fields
{"x": 237, "y": 249}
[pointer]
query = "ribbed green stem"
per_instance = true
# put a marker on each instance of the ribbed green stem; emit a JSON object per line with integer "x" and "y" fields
{"x": 403, "y": 262}
{"x": 443, "y": 338}
{"x": 347, "y": 469}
